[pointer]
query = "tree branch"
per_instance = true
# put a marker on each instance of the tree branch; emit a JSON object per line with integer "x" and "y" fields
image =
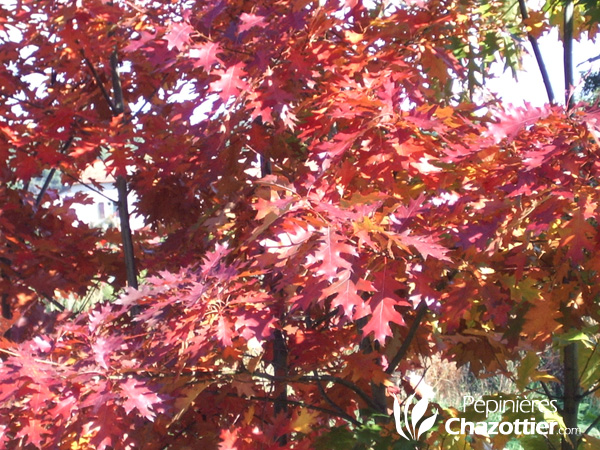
{"x": 362, "y": 394}
{"x": 568, "y": 53}
{"x": 310, "y": 378}
{"x": 121, "y": 183}
{"x": 119, "y": 104}
{"x": 40, "y": 195}
{"x": 91, "y": 188}
{"x": 590, "y": 390}
{"x": 98, "y": 81}
{"x": 587, "y": 430}
{"x": 334, "y": 405}
{"x": 401, "y": 353}
{"x": 126, "y": 237}
{"x": 297, "y": 403}
{"x": 538, "y": 54}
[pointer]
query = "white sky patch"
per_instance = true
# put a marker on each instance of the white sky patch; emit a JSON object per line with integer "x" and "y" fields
{"x": 529, "y": 87}
{"x": 203, "y": 109}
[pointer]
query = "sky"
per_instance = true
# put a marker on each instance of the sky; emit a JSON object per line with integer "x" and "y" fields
{"x": 529, "y": 86}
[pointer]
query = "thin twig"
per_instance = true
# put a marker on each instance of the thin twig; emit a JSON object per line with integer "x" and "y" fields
{"x": 133, "y": 115}
{"x": 330, "y": 378}
{"x": 362, "y": 394}
{"x": 295, "y": 403}
{"x": 40, "y": 196}
{"x": 41, "y": 361}
{"x": 587, "y": 430}
{"x": 98, "y": 81}
{"x": 91, "y": 188}
{"x": 590, "y": 390}
{"x": 20, "y": 100}
{"x": 334, "y": 405}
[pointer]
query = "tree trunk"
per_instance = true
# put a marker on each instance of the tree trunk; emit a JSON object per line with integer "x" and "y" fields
{"x": 571, "y": 394}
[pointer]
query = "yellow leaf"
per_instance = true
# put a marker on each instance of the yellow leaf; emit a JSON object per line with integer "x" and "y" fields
{"x": 353, "y": 37}
{"x": 303, "y": 421}
{"x": 546, "y": 377}
{"x": 536, "y": 24}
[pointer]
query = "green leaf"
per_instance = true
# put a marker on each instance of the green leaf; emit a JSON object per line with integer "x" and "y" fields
{"x": 527, "y": 368}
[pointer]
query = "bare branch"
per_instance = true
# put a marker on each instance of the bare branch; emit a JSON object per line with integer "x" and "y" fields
{"x": 330, "y": 378}
{"x": 568, "y": 53}
{"x": 538, "y": 54}
{"x": 98, "y": 81}
{"x": 300, "y": 404}
{"x": 401, "y": 353}
{"x": 587, "y": 430}
{"x": 334, "y": 405}
{"x": 63, "y": 150}
{"x": 119, "y": 104}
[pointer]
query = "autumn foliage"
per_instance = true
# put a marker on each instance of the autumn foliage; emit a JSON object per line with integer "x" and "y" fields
{"x": 330, "y": 198}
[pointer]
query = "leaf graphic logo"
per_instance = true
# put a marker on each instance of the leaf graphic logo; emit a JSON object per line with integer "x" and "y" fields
{"x": 417, "y": 413}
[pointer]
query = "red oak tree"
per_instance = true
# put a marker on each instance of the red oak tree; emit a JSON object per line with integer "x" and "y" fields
{"x": 326, "y": 205}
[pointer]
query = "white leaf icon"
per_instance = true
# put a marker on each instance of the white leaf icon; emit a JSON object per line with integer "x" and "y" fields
{"x": 417, "y": 414}
{"x": 427, "y": 425}
{"x": 406, "y": 405}
{"x": 398, "y": 419}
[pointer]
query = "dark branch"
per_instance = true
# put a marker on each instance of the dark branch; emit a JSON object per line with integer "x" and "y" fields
{"x": 587, "y": 430}
{"x": 126, "y": 237}
{"x": 590, "y": 390}
{"x": 362, "y": 394}
{"x": 121, "y": 183}
{"x": 329, "y": 378}
{"x": 296, "y": 403}
{"x": 91, "y": 188}
{"x": 568, "y": 53}
{"x": 334, "y": 405}
{"x": 538, "y": 54}
{"x": 399, "y": 356}
{"x": 119, "y": 104}
{"x": 40, "y": 195}
{"x": 98, "y": 82}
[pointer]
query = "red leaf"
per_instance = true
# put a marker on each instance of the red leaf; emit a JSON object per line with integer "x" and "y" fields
{"x": 138, "y": 396}
{"x": 328, "y": 257}
{"x": 251, "y": 20}
{"x": 145, "y": 37}
{"x": 103, "y": 348}
{"x": 511, "y": 122}
{"x": 179, "y": 35}
{"x": 224, "y": 331}
{"x": 231, "y": 82}
{"x": 346, "y": 296}
{"x": 228, "y": 440}
{"x": 382, "y": 305}
{"x": 426, "y": 246}
{"x": 34, "y": 430}
{"x": 383, "y": 314}
{"x": 205, "y": 55}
